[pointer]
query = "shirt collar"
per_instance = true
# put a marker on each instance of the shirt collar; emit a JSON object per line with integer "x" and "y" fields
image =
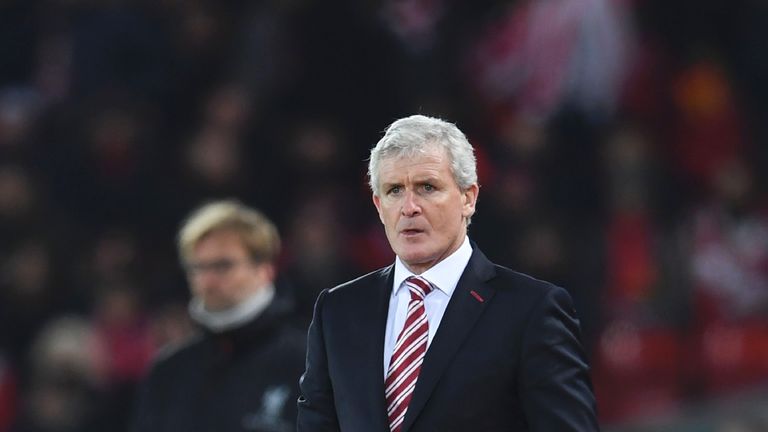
{"x": 443, "y": 275}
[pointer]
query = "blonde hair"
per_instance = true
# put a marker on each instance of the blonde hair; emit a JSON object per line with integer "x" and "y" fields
{"x": 258, "y": 233}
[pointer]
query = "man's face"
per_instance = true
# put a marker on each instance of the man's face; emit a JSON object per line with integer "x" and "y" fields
{"x": 422, "y": 208}
{"x": 221, "y": 273}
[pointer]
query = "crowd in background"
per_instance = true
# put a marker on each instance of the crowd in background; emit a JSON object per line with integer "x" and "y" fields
{"x": 620, "y": 154}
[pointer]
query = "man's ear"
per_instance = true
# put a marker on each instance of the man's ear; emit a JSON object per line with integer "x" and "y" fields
{"x": 377, "y": 203}
{"x": 469, "y": 195}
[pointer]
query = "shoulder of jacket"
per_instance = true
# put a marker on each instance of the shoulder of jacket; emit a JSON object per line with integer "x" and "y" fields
{"x": 365, "y": 279}
{"x": 525, "y": 283}
{"x": 170, "y": 352}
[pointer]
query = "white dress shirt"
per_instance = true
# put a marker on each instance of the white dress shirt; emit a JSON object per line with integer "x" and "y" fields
{"x": 444, "y": 276}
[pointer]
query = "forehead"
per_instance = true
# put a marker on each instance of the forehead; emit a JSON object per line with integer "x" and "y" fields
{"x": 432, "y": 162}
{"x": 220, "y": 243}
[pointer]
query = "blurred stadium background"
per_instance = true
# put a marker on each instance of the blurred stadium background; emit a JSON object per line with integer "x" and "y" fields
{"x": 621, "y": 148}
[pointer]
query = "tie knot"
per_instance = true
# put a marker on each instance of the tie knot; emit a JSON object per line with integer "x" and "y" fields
{"x": 419, "y": 287}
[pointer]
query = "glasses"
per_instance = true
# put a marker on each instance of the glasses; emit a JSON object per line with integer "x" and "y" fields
{"x": 219, "y": 267}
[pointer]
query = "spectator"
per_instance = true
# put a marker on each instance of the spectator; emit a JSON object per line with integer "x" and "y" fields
{"x": 240, "y": 373}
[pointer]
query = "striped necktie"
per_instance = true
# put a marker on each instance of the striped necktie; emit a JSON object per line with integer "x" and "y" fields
{"x": 408, "y": 354}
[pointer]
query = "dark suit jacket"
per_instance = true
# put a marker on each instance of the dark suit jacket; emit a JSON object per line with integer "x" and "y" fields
{"x": 509, "y": 362}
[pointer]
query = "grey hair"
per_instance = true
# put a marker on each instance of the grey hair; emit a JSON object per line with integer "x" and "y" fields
{"x": 418, "y": 134}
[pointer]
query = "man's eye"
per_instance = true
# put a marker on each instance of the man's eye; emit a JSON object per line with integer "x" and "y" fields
{"x": 222, "y": 266}
{"x": 429, "y": 188}
{"x": 395, "y": 190}
{"x": 216, "y": 266}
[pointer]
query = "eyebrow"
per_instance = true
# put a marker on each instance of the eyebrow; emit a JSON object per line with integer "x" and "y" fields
{"x": 427, "y": 179}
{"x": 417, "y": 180}
{"x": 387, "y": 185}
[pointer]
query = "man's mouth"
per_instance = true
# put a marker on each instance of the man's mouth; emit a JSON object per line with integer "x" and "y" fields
{"x": 411, "y": 232}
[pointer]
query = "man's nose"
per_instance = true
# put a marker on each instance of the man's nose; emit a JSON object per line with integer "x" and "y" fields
{"x": 411, "y": 205}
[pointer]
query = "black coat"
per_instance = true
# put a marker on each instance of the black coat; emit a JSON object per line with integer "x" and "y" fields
{"x": 240, "y": 380}
{"x": 506, "y": 357}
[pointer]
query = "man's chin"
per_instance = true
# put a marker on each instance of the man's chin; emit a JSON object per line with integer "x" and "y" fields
{"x": 216, "y": 305}
{"x": 414, "y": 258}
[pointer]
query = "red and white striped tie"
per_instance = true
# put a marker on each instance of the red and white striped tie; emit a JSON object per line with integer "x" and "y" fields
{"x": 408, "y": 354}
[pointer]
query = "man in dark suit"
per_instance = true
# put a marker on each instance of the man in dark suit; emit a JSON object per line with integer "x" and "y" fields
{"x": 443, "y": 339}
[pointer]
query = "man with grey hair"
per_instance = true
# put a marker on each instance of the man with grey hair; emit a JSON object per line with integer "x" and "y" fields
{"x": 239, "y": 373}
{"x": 443, "y": 339}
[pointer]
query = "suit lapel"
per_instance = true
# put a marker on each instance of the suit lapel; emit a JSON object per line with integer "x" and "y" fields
{"x": 463, "y": 310}
{"x": 373, "y": 322}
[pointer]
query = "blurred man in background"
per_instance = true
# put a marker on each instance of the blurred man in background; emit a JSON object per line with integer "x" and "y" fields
{"x": 240, "y": 373}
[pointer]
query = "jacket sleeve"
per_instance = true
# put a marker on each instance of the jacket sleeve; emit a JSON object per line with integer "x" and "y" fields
{"x": 554, "y": 381}
{"x": 316, "y": 408}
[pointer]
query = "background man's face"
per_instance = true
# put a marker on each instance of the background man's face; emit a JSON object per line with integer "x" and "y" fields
{"x": 221, "y": 273}
{"x": 422, "y": 208}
